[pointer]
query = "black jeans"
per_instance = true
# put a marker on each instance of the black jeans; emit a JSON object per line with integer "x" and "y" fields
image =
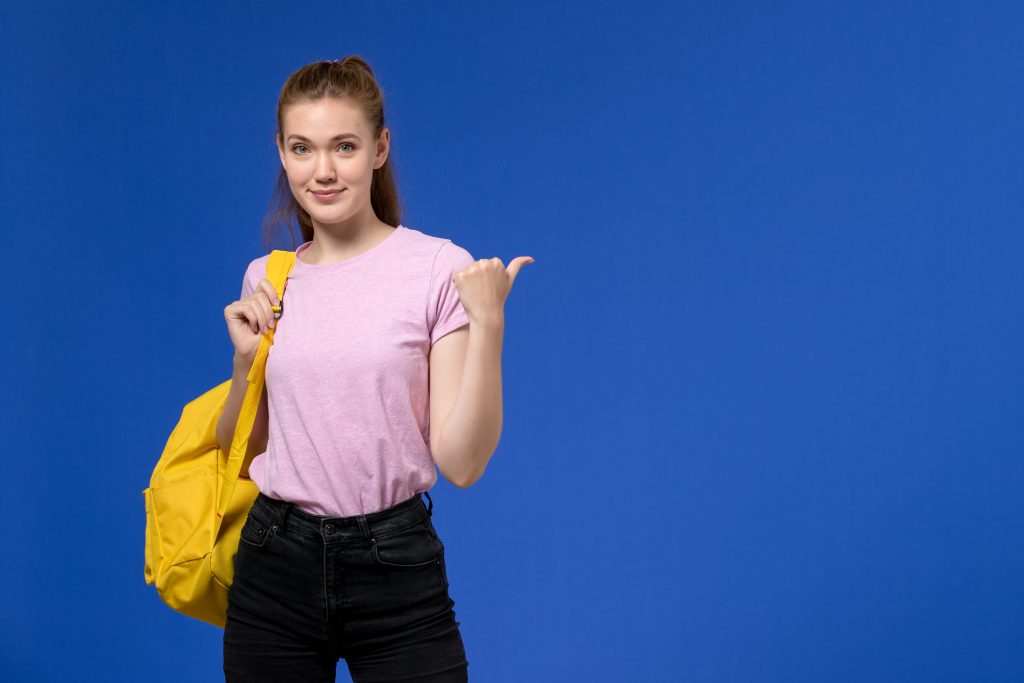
{"x": 370, "y": 589}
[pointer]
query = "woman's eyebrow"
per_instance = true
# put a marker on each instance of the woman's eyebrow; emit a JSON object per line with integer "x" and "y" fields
{"x": 342, "y": 136}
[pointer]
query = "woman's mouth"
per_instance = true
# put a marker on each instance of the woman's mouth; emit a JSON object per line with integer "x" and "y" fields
{"x": 327, "y": 196}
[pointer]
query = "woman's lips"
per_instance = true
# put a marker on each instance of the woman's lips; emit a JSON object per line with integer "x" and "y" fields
{"x": 327, "y": 197}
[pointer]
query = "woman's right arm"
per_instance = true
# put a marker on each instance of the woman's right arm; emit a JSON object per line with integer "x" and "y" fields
{"x": 233, "y": 406}
{"x": 247, "y": 320}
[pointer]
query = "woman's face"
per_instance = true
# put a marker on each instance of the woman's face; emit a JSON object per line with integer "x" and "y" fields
{"x": 329, "y": 145}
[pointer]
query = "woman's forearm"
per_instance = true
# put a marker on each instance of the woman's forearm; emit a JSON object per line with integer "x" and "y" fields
{"x": 232, "y": 408}
{"x": 472, "y": 430}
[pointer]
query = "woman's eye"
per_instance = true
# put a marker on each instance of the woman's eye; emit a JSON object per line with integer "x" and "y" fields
{"x": 295, "y": 148}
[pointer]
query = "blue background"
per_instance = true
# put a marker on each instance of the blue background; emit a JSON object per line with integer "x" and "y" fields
{"x": 763, "y": 416}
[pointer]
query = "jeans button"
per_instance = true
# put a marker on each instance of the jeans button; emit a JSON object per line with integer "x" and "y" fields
{"x": 328, "y": 528}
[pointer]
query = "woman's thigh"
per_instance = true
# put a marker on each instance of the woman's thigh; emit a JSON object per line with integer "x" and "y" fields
{"x": 396, "y": 620}
{"x": 275, "y": 628}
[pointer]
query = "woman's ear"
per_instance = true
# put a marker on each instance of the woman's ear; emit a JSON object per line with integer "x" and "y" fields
{"x": 383, "y": 147}
{"x": 280, "y": 149}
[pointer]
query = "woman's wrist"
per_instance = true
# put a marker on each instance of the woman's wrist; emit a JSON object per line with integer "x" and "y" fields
{"x": 243, "y": 363}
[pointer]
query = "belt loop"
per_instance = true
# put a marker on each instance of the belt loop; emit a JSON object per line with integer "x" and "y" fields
{"x": 363, "y": 526}
{"x": 286, "y": 508}
{"x": 431, "y": 508}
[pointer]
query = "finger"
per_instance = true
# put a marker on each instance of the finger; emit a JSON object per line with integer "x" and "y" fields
{"x": 240, "y": 311}
{"x": 256, "y": 316}
{"x": 267, "y": 287}
{"x": 262, "y": 304}
{"x": 515, "y": 265}
{"x": 243, "y": 311}
{"x": 273, "y": 299}
{"x": 267, "y": 308}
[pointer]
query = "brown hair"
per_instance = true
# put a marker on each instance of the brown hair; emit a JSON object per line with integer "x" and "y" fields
{"x": 351, "y": 78}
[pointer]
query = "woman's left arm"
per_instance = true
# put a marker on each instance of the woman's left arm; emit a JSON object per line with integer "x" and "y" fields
{"x": 465, "y": 374}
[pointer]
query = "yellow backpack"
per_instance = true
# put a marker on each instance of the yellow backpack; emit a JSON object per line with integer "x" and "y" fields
{"x": 197, "y": 503}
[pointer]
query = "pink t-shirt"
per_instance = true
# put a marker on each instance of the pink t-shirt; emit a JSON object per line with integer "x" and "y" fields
{"x": 347, "y": 374}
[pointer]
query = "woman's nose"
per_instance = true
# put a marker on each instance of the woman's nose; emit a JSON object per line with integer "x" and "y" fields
{"x": 324, "y": 169}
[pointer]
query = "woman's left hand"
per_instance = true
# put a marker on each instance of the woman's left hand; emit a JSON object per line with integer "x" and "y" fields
{"x": 484, "y": 286}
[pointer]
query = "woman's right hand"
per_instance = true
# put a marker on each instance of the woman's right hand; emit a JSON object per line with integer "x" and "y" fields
{"x": 249, "y": 317}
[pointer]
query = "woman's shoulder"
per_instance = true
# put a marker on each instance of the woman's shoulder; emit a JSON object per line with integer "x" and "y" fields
{"x": 258, "y": 267}
{"x": 433, "y": 245}
{"x": 259, "y": 261}
{"x": 254, "y": 272}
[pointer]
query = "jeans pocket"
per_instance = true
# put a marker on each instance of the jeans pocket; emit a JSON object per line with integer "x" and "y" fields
{"x": 443, "y": 568}
{"x": 255, "y": 531}
{"x": 413, "y": 546}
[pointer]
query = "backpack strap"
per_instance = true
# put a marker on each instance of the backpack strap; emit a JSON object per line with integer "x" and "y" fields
{"x": 278, "y": 267}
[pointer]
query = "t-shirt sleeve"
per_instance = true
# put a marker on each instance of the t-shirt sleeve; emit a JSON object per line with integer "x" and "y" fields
{"x": 250, "y": 279}
{"x": 444, "y": 309}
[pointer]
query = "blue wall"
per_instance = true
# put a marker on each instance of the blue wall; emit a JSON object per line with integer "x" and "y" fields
{"x": 763, "y": 415}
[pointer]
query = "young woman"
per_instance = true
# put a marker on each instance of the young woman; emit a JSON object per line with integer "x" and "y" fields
{"x": 386, "y": 361}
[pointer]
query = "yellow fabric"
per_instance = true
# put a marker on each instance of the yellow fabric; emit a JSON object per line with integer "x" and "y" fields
{"x": 196, "y": 502}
